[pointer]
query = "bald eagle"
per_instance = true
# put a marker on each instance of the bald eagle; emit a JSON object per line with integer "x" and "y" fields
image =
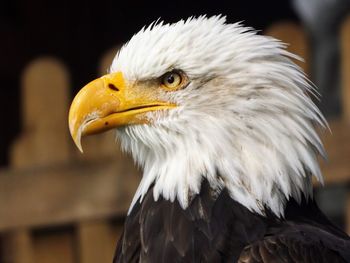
{"x": 221, "y": 121}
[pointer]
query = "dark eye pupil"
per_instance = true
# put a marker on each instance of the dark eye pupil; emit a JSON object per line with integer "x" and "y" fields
{"x": 170, "y": 79}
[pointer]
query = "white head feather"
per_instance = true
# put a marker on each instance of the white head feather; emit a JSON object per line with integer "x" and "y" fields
{"x": 245, "y": 122}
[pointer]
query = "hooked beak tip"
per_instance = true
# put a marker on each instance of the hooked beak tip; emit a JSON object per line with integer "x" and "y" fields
{"x": 76, "y": 135}
{"x": 78, "y": 144}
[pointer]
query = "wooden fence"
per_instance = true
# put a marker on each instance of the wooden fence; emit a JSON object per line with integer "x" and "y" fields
{"x": 57, "y": 205}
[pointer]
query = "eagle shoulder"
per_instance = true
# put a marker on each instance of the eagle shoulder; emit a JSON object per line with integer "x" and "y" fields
{"x": 297, "y": 244}
{"x": 216, "y": 228}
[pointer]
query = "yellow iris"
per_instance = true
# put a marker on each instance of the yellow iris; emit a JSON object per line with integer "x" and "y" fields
{"x": 172, "y": 81}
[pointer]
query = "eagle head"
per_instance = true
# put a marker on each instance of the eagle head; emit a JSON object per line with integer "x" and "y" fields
{"x": 203, "y": 99}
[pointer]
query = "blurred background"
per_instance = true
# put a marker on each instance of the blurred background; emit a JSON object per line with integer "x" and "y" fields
{"x": 57, "y": 205}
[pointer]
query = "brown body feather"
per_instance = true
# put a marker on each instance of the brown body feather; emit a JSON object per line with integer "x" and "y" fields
{"x": 218, "y": 229}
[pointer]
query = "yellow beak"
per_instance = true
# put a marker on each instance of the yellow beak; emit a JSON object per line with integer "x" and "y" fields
{"x": 109, "y": 102}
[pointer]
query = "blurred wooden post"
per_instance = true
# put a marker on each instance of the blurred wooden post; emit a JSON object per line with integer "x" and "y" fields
{"x": 345, "y": 90}
{"x": 44, "y": 137}
{"x": 43, "y": 141}
{"x": 295, "y": 37}
{"x": 18, "y": 247}
{"x": 95, "y": 242}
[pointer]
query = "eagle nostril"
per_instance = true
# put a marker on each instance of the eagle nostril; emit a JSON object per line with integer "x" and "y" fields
{"x": 112, "y": 87}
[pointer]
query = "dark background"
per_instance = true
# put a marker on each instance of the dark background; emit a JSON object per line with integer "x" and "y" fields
{"x": 78, "y": 32}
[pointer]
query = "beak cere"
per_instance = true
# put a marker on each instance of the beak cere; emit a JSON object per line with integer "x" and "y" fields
{"x": 109, "y": 102}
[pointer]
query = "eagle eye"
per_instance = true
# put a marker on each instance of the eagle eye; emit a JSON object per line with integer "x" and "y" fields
{"x": 173, "y": 80}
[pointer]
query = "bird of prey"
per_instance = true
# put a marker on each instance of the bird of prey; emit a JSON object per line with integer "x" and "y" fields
{"x": 222, "y": 122}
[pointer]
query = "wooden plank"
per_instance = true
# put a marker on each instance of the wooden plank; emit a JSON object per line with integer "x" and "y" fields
{"x": 337, "y": 168}
{"x": 95, "y": 242}
{"x": 296, "y": 39}
{"x": 345, "y": 68}
{"x": 18, "y": 247}
{"x": 63, "y": 194}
